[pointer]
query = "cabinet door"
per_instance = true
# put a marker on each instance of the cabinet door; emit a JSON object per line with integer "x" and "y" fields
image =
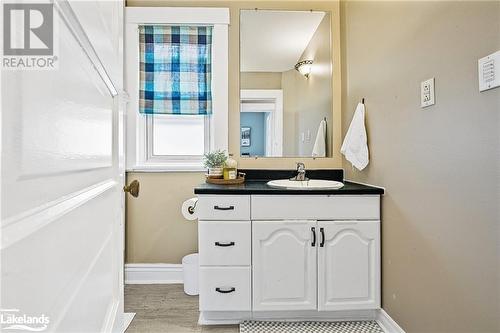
{"x": 284, "y": 265}
{"x": 348, "y": 265}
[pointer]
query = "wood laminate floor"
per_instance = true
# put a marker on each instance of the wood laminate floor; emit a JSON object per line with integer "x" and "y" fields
{"x": 165, "y": 308}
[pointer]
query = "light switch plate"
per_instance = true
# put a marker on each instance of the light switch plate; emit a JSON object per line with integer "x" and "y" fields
{"x": 427, "y": 93}
{"x": 489, "y": 71}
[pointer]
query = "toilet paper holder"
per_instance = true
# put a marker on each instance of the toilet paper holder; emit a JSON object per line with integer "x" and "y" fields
{"x": 191, "y": 208}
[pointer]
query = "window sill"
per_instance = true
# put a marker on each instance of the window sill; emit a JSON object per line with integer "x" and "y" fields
{"x": 164, "y": 167}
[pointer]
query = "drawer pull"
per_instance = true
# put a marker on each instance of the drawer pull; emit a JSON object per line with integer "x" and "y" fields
{"x": 224, "y": 244}
{"x": 224, "y": 208}
{"x": 225, "y": 291}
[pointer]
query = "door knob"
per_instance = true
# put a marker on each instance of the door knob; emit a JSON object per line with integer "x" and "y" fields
{"x": 132, "y": 188}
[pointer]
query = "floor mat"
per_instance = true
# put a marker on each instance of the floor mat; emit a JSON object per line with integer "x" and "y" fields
{"x": 310, "y": 327}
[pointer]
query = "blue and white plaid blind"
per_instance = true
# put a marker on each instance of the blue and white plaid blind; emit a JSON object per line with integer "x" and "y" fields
{"x": 175, "y": 70}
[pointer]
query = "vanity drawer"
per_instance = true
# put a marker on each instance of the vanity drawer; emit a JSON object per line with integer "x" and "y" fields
{"x": 223, "y": 207}
{"x": 316, "y": 207}
{"x": 225, "y": 289}
{"x": 224, "y": 243}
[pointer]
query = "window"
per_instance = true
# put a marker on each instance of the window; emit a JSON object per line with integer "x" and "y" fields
{"x": 165, "y": 132}
{"x": 177, "y": 137}
{"x": 175, "y": 90}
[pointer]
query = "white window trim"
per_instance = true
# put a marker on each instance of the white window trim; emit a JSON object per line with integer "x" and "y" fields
{"x": 136, "y": 155}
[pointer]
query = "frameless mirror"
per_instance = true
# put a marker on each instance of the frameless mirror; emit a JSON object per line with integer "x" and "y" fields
{"x": 286, "y": 83}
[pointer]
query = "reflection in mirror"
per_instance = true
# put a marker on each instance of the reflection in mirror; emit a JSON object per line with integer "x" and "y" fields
{"x": 286, "y": 83}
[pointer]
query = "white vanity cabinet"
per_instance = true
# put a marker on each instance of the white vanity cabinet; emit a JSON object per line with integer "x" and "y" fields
{"x": 288, "y": 256}
{"x": 224, "y": 243}
{"x": 349, "y": 265}
{"x": 284, "y": 265}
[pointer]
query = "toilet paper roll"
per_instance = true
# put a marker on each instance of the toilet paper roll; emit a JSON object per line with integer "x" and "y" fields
{"x": 189, "y": 209}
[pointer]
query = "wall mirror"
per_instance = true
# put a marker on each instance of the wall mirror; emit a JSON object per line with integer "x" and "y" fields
{"x": 286, "y": 83}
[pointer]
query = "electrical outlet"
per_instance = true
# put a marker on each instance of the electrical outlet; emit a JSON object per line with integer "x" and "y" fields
{"x": 427, "y": 93}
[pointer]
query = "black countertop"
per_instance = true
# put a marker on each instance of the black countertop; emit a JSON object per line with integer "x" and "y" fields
{"x": 261, "y": 187}
{"x": 256, "y": 183}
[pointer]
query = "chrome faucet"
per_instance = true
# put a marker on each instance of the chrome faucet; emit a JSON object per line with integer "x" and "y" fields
{"x": 301, "y": 173}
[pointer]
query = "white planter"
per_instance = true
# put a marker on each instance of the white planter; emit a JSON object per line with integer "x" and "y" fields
{"x": 215, "y": 172}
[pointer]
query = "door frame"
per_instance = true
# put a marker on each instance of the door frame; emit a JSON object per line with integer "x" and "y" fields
{"x": 273, "y": 98}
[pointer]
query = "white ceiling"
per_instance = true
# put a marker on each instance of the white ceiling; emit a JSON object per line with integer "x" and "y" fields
{"x": 273, "y": 41}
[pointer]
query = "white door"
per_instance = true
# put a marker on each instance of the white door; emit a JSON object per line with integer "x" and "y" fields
{"x": 62, "y": 177}
{"x": 348, "y": 265}
{"x": 284, "y": 265}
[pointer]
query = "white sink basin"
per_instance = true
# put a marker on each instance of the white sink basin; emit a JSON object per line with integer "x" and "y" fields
{"x": 311, "y": 184}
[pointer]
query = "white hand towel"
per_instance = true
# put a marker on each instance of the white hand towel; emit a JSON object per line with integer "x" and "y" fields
{"x": 319, "y": 149}
{"x": 355, "y": 147}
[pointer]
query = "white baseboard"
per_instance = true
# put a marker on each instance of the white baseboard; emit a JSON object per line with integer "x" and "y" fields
{"x": 388, "y": 324}
{"x": 127, "y": 319}
{"x": 153, "y": 273}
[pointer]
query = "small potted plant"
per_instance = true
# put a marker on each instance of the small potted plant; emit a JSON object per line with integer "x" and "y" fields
{"x": 214, "y": 161}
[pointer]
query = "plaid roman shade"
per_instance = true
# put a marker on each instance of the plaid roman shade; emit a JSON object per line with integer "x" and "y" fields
{"x": 175, "y": 70}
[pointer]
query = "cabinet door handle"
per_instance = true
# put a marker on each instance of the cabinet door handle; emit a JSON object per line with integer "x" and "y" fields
{"x": 322, "y": 231}
{"x": 313, "y": 230}
{"x": 224, "y": 244}
{"x": 225, "y": 291}
{"x": 224, "y": 208}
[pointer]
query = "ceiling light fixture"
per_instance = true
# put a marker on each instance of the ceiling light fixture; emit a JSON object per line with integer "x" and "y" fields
{"x": 304, "y": 67}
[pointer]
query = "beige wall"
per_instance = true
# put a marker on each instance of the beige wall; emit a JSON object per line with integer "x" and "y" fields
{"x": 156, "y": 232}
{"x": 260, "y": 80}
{"x": 307, "y": 101}
{"x": 440, "y": 165}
